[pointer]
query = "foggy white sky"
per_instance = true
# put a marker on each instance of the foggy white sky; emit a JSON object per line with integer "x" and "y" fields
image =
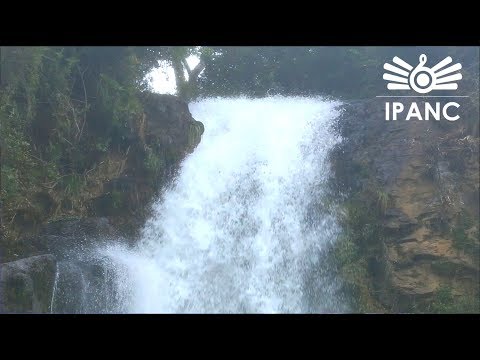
{"x": 163, "y": 78}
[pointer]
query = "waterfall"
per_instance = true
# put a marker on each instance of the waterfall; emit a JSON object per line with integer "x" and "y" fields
{"x": 54, "y": 291}
{"x": 243, "y": 226}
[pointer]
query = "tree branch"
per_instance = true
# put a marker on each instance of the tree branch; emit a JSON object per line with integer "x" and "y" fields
{"x": 178, "y": 71}
{"x": 185, "y": 64}
{"x": 197, "y": 70}
{"x": 86, "y": 103}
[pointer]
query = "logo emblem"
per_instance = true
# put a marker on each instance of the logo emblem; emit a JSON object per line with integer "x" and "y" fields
{"x": 422, "y": 79}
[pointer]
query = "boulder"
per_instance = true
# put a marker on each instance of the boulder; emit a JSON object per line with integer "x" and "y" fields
{"x": 26, "y": 285}
{"x": 168, "y": 121}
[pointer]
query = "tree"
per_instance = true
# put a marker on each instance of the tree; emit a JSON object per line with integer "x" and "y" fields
{"x": 186, "y": 78}
{"x": 345, "y": 72}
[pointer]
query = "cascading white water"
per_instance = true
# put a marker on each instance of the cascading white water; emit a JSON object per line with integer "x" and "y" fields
{"x": 235, "y": 231}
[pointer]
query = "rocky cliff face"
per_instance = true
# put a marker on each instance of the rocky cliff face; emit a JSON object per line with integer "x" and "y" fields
{"x": 423, "y": 176}
{"x": 115, "y": 202}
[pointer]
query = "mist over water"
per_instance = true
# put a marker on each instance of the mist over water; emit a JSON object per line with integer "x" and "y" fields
{"x": 243, "y": 226}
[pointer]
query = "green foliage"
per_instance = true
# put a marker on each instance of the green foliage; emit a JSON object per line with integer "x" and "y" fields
{"x": 349, "y": 72}
{"x": 117, "y": 199}
{"x": 360, "y": 248}
{"x": 363, "y": 222}
{"x": 383, "y": 200}
{"x": 10, "y": 183}
{"x": 353, "y": 269}
{"x": 461, "y": 239}
{"x": 118, "y": 99}
{"x": 103, "y": 145}
{"x": 20, "y": 170}
{"x": 362, "y": 171}
{"x": 60, "y": 109}
{"x": 72, "y": 184}
{"x": 346, "y": 251}
{"x": 153, "y": 162}
{"x": 445, "y": 302}
{"x": 360, "y": 242}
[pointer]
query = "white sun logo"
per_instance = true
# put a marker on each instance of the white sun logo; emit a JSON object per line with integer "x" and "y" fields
{"x": 422, "y": 79}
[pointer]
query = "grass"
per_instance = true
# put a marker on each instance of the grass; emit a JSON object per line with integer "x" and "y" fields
{"x": 462, "y": 240}
{"x": 445, "y": 302}
{"x": 383, "y": 200}
{"x": 360, "y": 242}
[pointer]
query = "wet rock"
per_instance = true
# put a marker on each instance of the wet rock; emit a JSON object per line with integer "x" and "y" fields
{"x": 70, "y": 291}
{"x": 79, "y": 227}
{"x": 63, "y": 236}
{"x": 169, "y": 122}
{"x": 85, "y": 285}
{"x": 67, "y": 236}
{"x": 26, "y": 285}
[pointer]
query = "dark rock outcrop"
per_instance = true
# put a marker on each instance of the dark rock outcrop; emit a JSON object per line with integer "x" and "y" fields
{"x": 26, "y": 285}
{"x": 61, "y": 237}
{"x": 161, "y": 139}
{"x": 169, "y": 122}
